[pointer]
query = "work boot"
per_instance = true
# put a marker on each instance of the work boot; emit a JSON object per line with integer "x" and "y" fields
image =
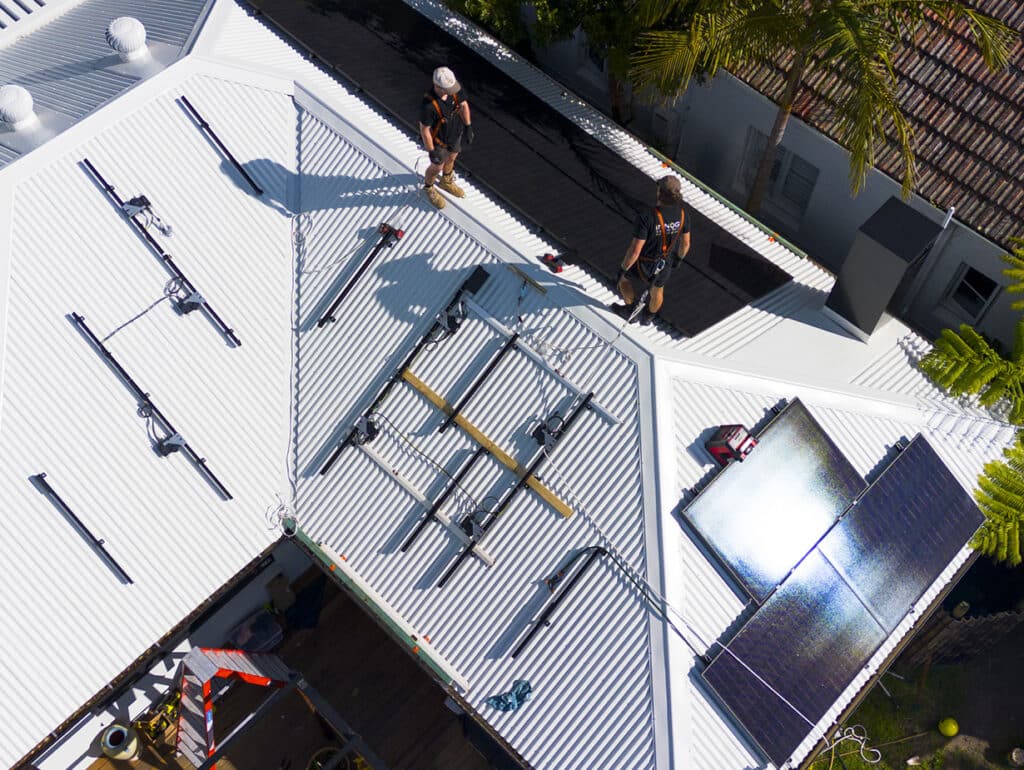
{"x": 435, "y": 197}
{"x": 623, "y": 310}
{"x": 447, "y": 184}
{"x": 646, "y": 317}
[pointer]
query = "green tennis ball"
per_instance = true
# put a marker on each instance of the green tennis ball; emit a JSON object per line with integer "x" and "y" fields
{"x": 949, "y": 727}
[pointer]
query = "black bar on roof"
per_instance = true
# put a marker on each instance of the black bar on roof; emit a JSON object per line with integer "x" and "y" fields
{"x": 543, "y": 620}
{"x": 205, "y": 126}
{"x": 472, "y": 284}
{"x": 172, "y": 440}
{"x": 436, "y": 506}
{"x": 506, "y": 499}
{"x": 193, "y": 297}
{"x": 388, "y": 237}
{"x": 478, "y": 382}
{"x": 40, "y": 483}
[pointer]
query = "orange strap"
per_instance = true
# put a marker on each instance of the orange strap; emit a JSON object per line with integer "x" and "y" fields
{"x": 441, "y": 118}
{"x": 664, "y": 230}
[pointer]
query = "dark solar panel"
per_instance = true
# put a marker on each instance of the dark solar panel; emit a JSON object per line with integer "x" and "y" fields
{"x": 790, "y": 662}
{"x": 566, "y": 181}
{"x": 807, "y": 642}
{"x": 902, "y": 533}
{"x": 761, "y": 515}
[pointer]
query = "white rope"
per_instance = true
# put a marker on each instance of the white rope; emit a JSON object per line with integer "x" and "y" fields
{"x": 641, "y": 582}
{"x": 859, "y": 735}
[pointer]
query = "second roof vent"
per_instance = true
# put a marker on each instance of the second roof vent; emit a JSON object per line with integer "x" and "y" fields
{"x": 127, "y": 36}
{"x": 16, "y": 108}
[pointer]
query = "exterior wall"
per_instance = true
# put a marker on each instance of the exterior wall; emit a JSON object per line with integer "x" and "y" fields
{"x": 706, "y": 132}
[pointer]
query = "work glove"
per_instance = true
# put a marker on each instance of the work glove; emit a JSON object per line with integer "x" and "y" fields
{"x": 469, "y": 134}
{"x": 435, "y": 156}
{"x": 620, "y": 275}
{"x": 676, "y": 261}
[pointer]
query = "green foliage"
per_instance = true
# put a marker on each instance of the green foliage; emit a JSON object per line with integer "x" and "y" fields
{"x": 1001, "y": 498}
{"x": 855, "y": 40}
{"x": 502, "y": 17}
{"x": 965, "y": 363}
{"x": 1015, "y": 271}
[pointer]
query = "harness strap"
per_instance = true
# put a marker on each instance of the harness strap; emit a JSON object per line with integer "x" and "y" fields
{"x": 436, "y": 129}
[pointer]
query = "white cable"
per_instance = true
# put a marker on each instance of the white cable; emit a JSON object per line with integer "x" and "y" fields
{"x": 859, "y": 735}
{"x": 638, "y": 578}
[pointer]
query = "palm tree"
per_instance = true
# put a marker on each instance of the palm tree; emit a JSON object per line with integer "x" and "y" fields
{"x": 855, "y": 40}
{"x": 1001, "y": 499}
{"x": 1015, "y": 271}
{"x": 965, "y": 364}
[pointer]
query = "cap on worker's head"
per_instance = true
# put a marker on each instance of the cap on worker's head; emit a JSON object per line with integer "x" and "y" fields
{"x": 669, "y": 190}
{"x": 445, "y": 81}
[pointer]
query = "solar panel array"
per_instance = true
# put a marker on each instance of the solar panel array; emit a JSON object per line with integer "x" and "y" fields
{"x": 790, "y": 662}
{"x": 760, "y": 516}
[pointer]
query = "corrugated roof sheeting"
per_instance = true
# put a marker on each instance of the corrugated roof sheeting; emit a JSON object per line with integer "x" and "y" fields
{"x": 14, "y": 11}
{"x": 591, "y": 670}
{"x": 67, "y": 413}
{"x": 866, "y": 439}
{"x": 605, "y": 130}
{"x": 60, "y": 63}
{"x": 967, "y": 121}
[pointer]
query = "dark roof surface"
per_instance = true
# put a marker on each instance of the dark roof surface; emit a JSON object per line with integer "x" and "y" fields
{"x": 968, "y": 122}
{"x": 582, "y": 194}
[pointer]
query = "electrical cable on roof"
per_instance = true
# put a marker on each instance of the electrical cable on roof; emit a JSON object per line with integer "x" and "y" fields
{"x": 430, "y": 460}
{"x": 662, "y": 606}
{"x": 564, "y": 355}
{"x": 171, "y": 288}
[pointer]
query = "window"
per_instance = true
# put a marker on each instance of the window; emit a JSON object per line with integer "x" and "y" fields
{"x": 790, "y": 182}
{"x": 971, "y": 292}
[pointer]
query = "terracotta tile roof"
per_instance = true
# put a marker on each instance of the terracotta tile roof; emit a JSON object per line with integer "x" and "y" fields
{"x": 968, "y": 122}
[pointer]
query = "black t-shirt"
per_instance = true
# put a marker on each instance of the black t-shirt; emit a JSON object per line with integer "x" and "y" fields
{"x": 647, "y": 228}
{"x": 451, "y": 131}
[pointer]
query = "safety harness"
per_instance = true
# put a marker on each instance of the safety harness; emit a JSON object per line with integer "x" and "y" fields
{"x": 441, "y": 119}
{"x": 661, "y": 259}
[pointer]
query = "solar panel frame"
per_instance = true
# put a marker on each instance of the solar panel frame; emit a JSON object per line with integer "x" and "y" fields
{"x": 809, "y": 483}
{"x": 890, "y": 546}
{"x": 794, "y": 612}
{"x": 809, "y": 657}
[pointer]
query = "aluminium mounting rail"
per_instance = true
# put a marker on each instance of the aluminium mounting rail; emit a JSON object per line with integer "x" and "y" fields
{"x": 492, "y": 447}
{"x": 172, "y": 440}
{"x": 446, "y": 322}
{"x": 205, "y": 126}
{"x": 549, "y": 438}
{"x": 435, "y": 507}
{"x": 543, "y": 620}
{"x": 477, "y": 382}
{"x": 528, "y": 351}
{"x": 389, "y": 236}
{"x": 192, "y": 299}
{"x": 99, "y": 546}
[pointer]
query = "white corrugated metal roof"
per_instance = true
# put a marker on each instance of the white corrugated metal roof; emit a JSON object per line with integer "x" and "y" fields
{"x": 613, "y": 685}
{"x": 72, "y": 625}
{"x": 65, "y": 62}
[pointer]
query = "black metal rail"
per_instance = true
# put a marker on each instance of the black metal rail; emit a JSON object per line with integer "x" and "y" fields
{"x": 593, "y": 553}
{"x": 556, "y": 435}
{"x": 205, "y": 126}
{"x": 389, "y": 236}
{"x": 479, "y": 381}
{"x": 172, "y": 440}
{"x": 445, "y": 494}
{"x": 471, "y": 285}
{"x": 192, "y": 299}
{"x": 99, "y": 546}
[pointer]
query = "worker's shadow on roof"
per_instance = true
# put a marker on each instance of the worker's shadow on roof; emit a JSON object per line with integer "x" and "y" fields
{"x": 302, "y": 192}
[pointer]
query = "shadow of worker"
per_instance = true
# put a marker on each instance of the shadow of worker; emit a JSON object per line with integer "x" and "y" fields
{"x": 291, "y": 193}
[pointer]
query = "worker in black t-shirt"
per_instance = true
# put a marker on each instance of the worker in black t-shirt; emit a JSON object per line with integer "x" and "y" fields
{"x": 661, "y": 238}
{"x": 444, "y": 125}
